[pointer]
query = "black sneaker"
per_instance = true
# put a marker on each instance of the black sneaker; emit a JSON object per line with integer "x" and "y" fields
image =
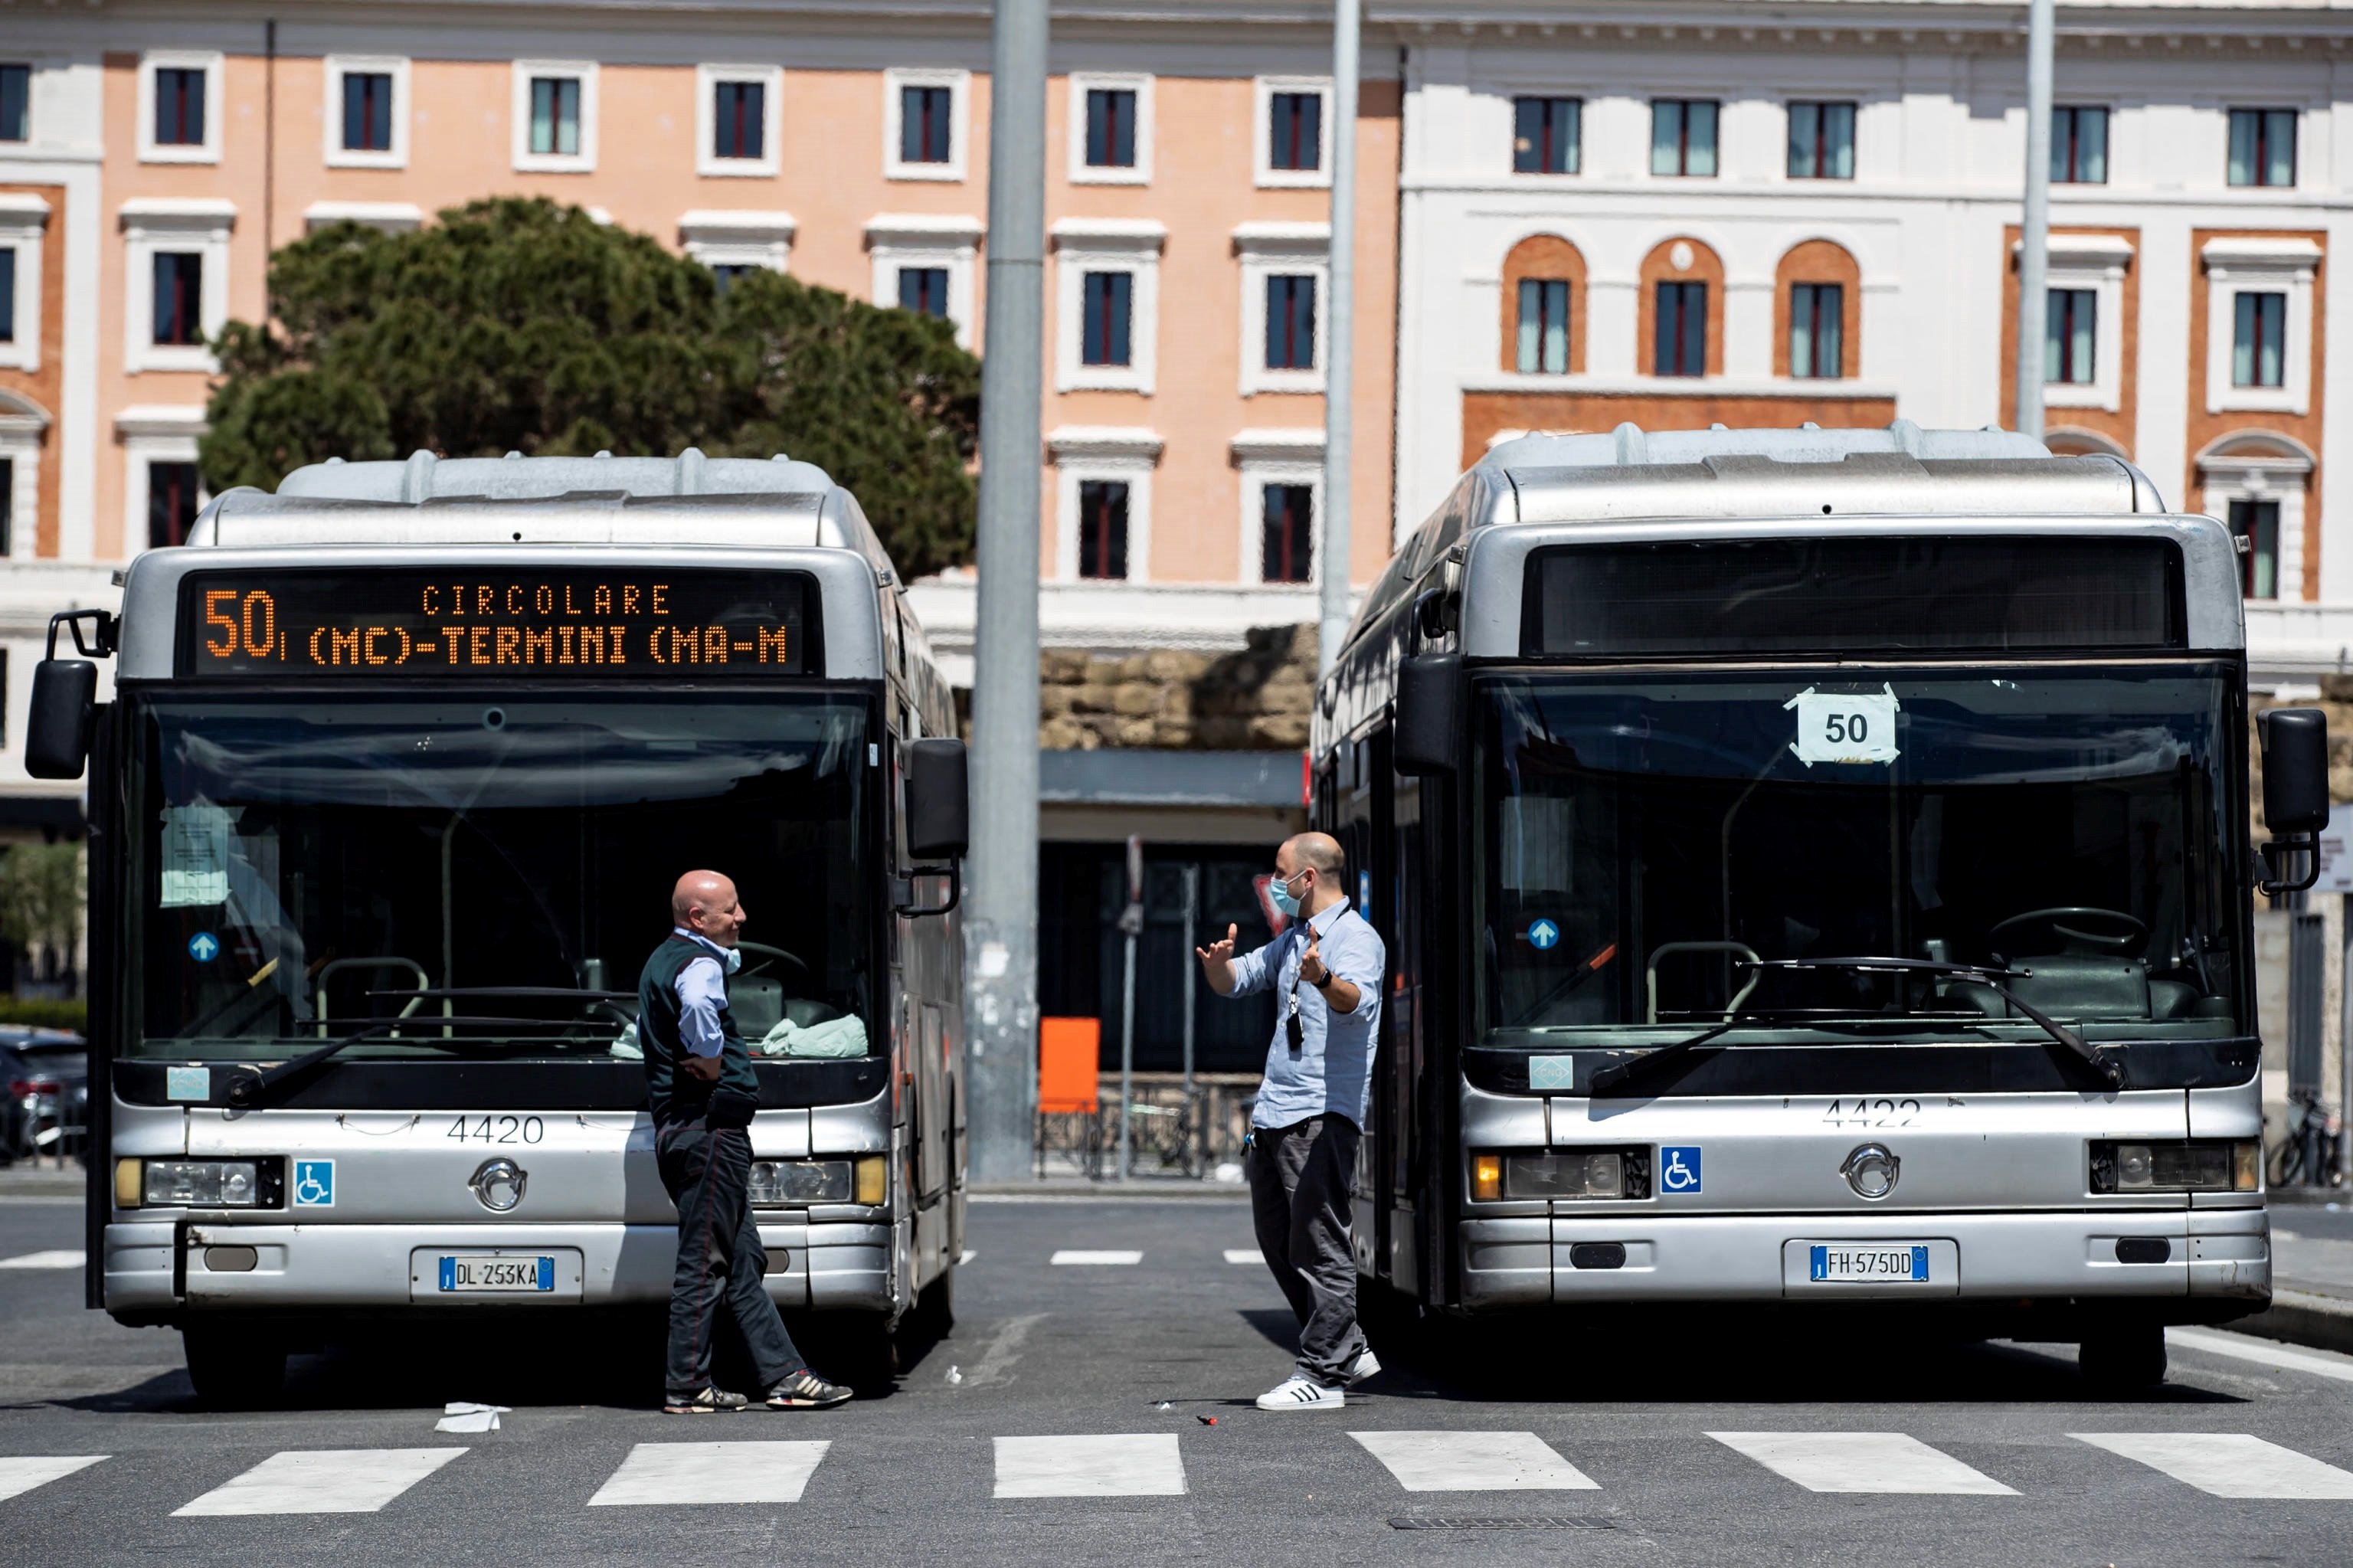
{"x": 710, "y": 1402}
{"x": 807, "y": 1390}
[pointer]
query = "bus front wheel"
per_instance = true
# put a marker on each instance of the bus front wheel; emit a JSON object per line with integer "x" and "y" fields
{"x": 2128, "y": 1358}
{"x": 233, "y": 1365}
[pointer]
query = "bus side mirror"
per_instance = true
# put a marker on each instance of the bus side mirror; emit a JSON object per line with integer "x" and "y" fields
{"x": 1428, "y": 715}
{"x": 939, "y": 820}
{"x": 2294, "y": 743}
{"x": 65, "y": 706}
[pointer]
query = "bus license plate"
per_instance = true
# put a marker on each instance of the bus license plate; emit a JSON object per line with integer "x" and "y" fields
{"x": 1873, "y": 1263}
{"x": 465, "y": 1272}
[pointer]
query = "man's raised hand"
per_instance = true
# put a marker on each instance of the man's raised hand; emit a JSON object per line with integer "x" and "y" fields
{"x": 1218, "y": 962}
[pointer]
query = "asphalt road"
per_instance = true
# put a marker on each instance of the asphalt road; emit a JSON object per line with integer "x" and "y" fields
{"x": 1669, "y": 1445}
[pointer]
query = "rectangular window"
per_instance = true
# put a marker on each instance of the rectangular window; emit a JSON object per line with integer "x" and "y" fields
{"x": 179, "y": 299}
{"x": 555, "y": 115}
{"x": 2257, "y": 521}
{"x": 1679, "y": 341}
{"x": 368, "y": 111}
{"x": 1289, "y": 322}
{"x": 2072, "y": 336}
{"x": 1290, "y": 535}
{"x": 179, "y": 106}
{"x": 8, "y": 296}
{"x": 924, "y": 289}
{"x": 2257, "y": 340}
{"x": 1821, "y": 141}
{"x": 924, "y": 128}
{"x": 1683, "y": 136}
{"x": 1294, "y": 132}
{"x": 2263, "y": 146}
{"x": 15, "y": 103}
{"x": 172, "y": 504}
{"x": 2079, "y": 146}
{"x": 738, "y": 119}
{"x": 1103, "y": 528}
{"x": 1817, "y": 319}
{"x": 1544, "y": 326}
{"x": 1545, "y": 133}
{"x": 725, "y": 274}
{"x": 1111, "y": 128}
{"x": 1105, "y": 299}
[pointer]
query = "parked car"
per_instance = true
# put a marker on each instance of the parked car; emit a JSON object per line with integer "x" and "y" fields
{"x": 46, "y": 1106}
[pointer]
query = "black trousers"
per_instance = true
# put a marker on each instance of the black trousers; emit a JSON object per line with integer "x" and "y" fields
{"x": 1299, "y": 1178}
{"x": 720, "y": 1259}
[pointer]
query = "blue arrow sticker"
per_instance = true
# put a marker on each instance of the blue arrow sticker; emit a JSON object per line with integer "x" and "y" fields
{"x": 204, "y": 946}
{"x": 1543, "y": 935}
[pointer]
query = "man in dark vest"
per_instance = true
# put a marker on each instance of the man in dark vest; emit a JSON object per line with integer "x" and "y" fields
{"x": 700, "y": 1082}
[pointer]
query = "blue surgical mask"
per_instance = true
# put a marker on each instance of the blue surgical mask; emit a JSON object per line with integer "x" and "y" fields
{"x": 734, "y": 959}
{"x": 1285, "y": 902}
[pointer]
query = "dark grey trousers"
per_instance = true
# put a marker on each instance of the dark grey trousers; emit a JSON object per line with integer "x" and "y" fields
{"x": 720, "y": 1258}
{"x": 1299, "y": 1179}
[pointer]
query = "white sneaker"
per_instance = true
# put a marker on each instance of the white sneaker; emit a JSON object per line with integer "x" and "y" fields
{"x": 1298, "y": 1392}
{"x": 1367, "y": 1364}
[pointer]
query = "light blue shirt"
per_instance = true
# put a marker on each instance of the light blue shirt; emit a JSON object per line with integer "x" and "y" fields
{"x": 701, "y": 992}
{"x": 1332, "y": 1074}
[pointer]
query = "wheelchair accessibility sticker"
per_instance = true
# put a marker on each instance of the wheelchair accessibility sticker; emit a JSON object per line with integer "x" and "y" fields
{"x": 1679, "y": 1169}
{"x": 314, "y": 1183}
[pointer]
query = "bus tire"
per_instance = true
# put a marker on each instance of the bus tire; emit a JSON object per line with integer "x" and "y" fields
{"x": 2126, "y": 1358}
{"x": 935, "y": 1312}
{"x": 233, "y": 1365}
{"x": 869, "y": 1349}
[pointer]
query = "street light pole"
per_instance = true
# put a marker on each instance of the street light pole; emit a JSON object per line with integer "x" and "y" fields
{"x": 1001, "y": 888}
{"x": 1339, "y": 341}
{"x": 2034, "y": 233}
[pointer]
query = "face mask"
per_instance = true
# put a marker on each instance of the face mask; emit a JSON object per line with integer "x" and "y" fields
{"x": 1283, "y": 900}
{"x": 734, "y": 960}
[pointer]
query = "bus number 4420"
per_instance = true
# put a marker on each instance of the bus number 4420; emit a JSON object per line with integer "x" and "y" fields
{"x": 497, "y": 1130}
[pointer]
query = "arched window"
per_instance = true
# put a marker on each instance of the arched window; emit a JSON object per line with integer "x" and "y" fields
{"x": 1816, "y": 312}
{"x": 1679, "y": 310}
{"x": 1544, "y": 307}
{"x": 2256, "y": 481}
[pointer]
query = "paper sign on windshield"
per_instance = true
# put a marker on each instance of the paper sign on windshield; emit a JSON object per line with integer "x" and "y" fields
{"x": 1844, "y": 726}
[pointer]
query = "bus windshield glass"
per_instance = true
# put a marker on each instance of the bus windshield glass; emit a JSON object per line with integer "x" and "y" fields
{"x": 1651, "y": 844}
{"x": 303, "y": 869}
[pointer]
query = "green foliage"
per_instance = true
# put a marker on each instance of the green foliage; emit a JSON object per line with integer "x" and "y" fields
{"x": 515, "y": 325}
{"x": 41, "y": 898}
{"x": 39, "y": 1012}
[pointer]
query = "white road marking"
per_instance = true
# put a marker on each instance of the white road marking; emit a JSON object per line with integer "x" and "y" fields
{"x": 2264, "y": 1352}
{"x": 1475, "y": 1462}
{"x": 1118, "y": 1465}
{"x": 21, "y": 1474}
{"x": 1861, "y": 1462}
{"x": 323, "y": 1480}
{"x": 712, "y": 1473}
{"x": 1075, "y": 1254}
{"x": 965, "y": 1257}
{"x": 1244, "y": 1255}
{"x": 2227, "y": 1463}
{"x": 2279, "y": 1234}
{"x": 61, "y": 1259}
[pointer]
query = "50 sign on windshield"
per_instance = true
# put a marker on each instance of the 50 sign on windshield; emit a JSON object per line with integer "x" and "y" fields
{"x": 241, "y": 623}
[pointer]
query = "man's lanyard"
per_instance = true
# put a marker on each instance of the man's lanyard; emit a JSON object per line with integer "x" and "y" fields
{"x": 1293, "y": 1029}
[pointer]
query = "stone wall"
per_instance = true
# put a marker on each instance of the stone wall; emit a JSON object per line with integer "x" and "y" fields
{"x": 1257, "y": 699}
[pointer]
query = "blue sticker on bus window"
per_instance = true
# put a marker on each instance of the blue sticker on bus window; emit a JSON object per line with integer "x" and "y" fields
{"x": 1679, "y": 1167}
{"x": 314, "y": 1183}
{"x": 1552, "y": 1072}
{"x": 187, "y": 1082}
{"x": 1363, "y": 891}
{"x": 1543, "y": 935}
{"x": 204, "y": 946}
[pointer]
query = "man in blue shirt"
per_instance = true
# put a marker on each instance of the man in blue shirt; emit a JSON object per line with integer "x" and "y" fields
{"x": 699, "y": 1083}
{"x": 1326, "y": 971}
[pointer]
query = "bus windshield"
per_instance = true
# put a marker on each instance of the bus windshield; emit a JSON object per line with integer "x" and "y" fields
{"x": 1650, "y": 844}
{"x": 303, "y": 869}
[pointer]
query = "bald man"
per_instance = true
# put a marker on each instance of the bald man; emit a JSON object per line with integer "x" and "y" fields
{"x": 700, "y": 1082}
{"x": 1325, "y": 972}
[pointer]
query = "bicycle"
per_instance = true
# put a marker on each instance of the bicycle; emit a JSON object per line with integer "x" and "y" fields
{"x": 2307, "y": 1155}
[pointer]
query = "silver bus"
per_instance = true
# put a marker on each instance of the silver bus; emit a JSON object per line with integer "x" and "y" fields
{"x": 399, "y": 766}
{"x": 1816, "y": 869}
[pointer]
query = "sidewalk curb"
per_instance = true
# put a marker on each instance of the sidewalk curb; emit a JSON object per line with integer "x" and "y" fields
{"x": 2316, "y": 1322}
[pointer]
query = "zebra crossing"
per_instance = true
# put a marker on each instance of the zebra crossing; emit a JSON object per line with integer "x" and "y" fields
{"x": 1145, "y": 1465}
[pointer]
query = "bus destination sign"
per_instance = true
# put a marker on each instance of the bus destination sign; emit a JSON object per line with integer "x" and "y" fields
{"x": 626, "y": 623}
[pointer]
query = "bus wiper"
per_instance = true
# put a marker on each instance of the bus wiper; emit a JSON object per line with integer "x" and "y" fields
{"x": 1618, "y": 1074}
{"x": 1990, "y": 976}
{"x": 251, "y": 1089}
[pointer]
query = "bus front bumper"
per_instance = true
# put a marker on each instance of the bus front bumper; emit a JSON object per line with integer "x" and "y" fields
{"x": 2214, "y": 1256}
{"x": 159, "y": 1269}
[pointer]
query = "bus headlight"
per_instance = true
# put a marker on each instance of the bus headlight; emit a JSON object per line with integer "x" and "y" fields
{"x": 780, "y": 1181}
{"x": 202, "y": 1184}
{"x": 1486, "y": 1177}
{"x": 873, "y": 1179}
{"x": 2203, "y": 1165}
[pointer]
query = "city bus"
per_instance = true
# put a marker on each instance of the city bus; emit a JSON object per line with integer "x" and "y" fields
{"x": 1816, "y": 870}
{"x": 399, "y": 767}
